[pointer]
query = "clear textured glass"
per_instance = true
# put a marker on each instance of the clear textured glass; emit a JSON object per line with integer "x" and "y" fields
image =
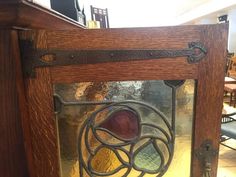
{"x": 121, "y": 124}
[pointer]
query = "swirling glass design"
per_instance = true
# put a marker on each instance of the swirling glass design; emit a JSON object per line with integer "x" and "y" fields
{"x": 122, "y": 144}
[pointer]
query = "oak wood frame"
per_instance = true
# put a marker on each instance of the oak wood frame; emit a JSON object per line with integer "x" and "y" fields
{"x": 209, "y": 74}
{"x": 12, "y": 152}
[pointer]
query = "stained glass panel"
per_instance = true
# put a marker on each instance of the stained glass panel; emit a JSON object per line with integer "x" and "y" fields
{"x": 127, "y": 128}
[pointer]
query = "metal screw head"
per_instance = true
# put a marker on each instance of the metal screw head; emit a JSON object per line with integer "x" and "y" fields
{"x": 112, "y": 55}
{"x": 72, "y": 56}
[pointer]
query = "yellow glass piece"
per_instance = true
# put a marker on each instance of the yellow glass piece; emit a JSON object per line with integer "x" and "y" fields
{"x": 123, "y": 156}
{"x": 133, "y": 173}
{"x": 105, "y": 161}
{"x": 119, "y": 173}
{"x": 151, "y": 175}
{"x": 70, "y": 168}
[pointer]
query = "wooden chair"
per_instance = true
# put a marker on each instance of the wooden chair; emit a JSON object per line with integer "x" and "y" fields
{"x": 231, "y": 88}
{"x": 230, "y": 75}
{"x": 100, "y": 15}
{"x": 231, "y": 67}
{"x": 228, "y": 126}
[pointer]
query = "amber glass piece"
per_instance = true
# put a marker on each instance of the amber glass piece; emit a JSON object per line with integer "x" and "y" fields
{"x": 105, "y": 161}
{"x": 123, "y": 124}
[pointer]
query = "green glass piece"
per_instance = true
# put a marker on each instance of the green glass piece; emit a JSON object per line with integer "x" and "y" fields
{"x": 147, "y": 158}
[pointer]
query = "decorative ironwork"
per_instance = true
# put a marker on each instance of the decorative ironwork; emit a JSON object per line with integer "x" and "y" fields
{"x": 120, "y": 134}
{"x": 34, "y": 58}
{"x": 174, "y": 84}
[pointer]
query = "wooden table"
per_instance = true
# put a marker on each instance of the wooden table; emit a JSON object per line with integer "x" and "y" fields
{"x": 230, "y": 80}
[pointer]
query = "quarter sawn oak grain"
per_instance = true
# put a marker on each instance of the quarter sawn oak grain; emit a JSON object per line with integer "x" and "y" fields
{"x": 209, "y": 74}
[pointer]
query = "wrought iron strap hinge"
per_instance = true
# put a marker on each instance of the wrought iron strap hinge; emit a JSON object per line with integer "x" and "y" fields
{"x": 34, "y": 58}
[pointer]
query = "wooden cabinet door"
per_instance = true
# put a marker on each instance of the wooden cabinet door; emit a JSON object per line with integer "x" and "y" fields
{"x": 124, "y": 88}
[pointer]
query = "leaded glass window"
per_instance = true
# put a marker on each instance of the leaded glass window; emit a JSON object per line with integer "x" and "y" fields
{"x": 126, "y": 128}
